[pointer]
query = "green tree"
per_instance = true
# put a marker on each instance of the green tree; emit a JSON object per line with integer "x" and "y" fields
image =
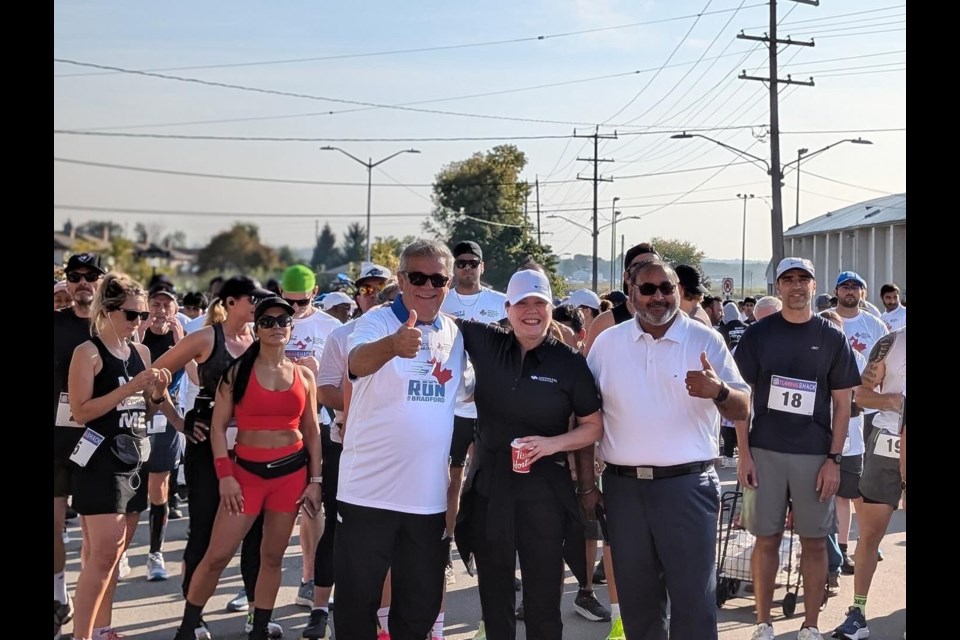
{"x": 386, "y": 251}
{"x": 481, "y": 199}
{"x": 325, "y": 253}
{"x": 676, "y": 252}
{"x": 355, "y": 243}
{"x": 238, "y": 249}
{"x": 287, "y": 257}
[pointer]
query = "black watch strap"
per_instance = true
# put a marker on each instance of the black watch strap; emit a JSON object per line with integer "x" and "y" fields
{"x": 836, "y": 457}
{"x": 724, "y": 392}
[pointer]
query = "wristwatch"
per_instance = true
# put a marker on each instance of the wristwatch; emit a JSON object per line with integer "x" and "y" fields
{"x": 316, "y": 479}
{"x": 835, "y": 457}
{"x": 724, "y": 392}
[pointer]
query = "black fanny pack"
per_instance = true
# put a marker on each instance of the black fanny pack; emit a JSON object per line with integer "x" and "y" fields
{"x": 276, "y": 468}
{"x": 130, "y": 451}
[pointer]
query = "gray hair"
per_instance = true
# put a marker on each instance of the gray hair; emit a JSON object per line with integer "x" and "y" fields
{"x": 427, "y": 249}
{"x": 767, "y": 306}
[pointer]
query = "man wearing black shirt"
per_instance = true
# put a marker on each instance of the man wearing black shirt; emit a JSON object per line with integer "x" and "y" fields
{"x": 71, "y": 327}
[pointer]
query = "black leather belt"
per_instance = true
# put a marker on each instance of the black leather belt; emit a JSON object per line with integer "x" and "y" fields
{"x": 657, "y": 473}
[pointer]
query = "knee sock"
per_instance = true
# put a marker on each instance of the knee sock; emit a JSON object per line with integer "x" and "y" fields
{"x": 191, "y": 616}
{"x": 60, "y": 588}
{"x": 860, "y": 602}
{"x": 843, "y": 547}
{"x": 383, "y": 615}
{"x": 438, "y": 626}
{"x": 158, "y": 525}
{"x": 260, "y": 618}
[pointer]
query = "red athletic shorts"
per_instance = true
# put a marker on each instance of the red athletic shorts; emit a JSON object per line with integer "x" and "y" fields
{"x": 276, "y": 494}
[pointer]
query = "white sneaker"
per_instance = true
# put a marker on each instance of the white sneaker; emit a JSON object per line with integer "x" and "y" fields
{"x": 66, "y": 537}
{"x": 274, "y": 630}
{"x": 809, "y": 633}
{"x": 156, "y": 570}
{"x": 763, "y": 631}
{"x": 202, "y": 632}
{"x": 729, "y": 463}
{"x": 123, "y": 567}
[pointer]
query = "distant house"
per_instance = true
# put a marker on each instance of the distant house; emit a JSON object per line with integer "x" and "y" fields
{"x": 869, "y": 237}
{"x": 67, "y": 242}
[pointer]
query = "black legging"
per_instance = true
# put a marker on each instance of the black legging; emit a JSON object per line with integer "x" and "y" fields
{"x": 729, "y": 440}
{"x": 323, "y": 574}
{"x": 204, "y": 503}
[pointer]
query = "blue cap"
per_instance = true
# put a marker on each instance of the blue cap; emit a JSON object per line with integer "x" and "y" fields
{"x": 846, "y": 276}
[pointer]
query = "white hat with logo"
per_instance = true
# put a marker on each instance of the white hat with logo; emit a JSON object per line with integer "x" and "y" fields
{"x": 524, "y": 284}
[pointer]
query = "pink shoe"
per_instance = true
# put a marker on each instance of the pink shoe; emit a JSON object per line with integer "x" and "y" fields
{"x": 383, "y": 635}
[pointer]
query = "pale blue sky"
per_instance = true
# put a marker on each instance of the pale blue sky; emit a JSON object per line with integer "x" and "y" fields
{"x": 858, "y": 66}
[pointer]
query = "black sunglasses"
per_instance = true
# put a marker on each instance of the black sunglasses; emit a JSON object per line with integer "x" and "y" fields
{"x": 132, "y": 315}
{"x": 464, "y": 264}
{"x": 76, "y": 276}
{"x": 297, "y": 303}
{"x": 269, "y": 322}
{"x": 648, "y": 288}
{"x": 418, "y": 279}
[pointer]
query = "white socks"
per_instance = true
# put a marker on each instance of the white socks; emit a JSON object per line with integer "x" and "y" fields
{"x": 438, "y": 626}
{"x": 383, "y": 615}
{"x": 60, "y": 588}
{"x": 614, "y": 610}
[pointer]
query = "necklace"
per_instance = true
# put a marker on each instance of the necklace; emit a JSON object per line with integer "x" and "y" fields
{"x": 472, "y": 304}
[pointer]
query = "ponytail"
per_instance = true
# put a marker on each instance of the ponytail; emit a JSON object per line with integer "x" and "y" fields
{"x": 238, "y": 373}
{"x": 216, "y": 313}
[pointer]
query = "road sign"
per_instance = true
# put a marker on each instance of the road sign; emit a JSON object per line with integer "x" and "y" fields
{"x": 727, "y": 286}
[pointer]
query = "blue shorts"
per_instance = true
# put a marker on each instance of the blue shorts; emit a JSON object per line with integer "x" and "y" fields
{"x": 166, "y": 447}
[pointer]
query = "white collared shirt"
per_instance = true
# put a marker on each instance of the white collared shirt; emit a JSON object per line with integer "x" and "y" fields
{"x": 649, "y": 419}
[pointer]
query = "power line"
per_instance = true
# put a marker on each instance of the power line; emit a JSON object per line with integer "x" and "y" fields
{"x": 862, "y": 33}
{"x": 843, "y": 131}
{"x": 538, "y": 38}
{"x": 807, "y": 172}
{"x": 839, "y": 15}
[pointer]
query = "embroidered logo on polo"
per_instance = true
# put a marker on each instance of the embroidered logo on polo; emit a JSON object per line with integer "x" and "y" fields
{"x": 537, "y": 378}
{"x": 432, "y": 383}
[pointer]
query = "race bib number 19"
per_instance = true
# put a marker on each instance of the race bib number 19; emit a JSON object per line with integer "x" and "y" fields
{"x": 792, "y": 395}
{"x": 887, "y": 446}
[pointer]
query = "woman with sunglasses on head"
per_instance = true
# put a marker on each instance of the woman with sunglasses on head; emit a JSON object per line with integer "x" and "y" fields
{"x": 226, "y": 337}
{"x": 113, "y": 392}
{"x": 274, "y": 402}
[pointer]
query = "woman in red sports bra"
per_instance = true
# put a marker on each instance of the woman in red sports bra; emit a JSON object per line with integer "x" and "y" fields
{"x": 277, "y": 466}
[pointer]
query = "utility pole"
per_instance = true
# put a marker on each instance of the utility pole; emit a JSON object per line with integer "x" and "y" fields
{"x": 743, "y": 246}
{"x": 537, "y": 183}
{"x": 613, "y": 239}
{"x": 773, "y": 83}
{"x": 596, "y": 179}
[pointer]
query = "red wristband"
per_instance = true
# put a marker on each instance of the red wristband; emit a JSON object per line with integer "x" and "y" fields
{"x": 223, "y": 467}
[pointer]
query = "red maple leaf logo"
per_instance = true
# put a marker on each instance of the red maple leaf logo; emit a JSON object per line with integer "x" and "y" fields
{"x": 442, "y": 375}
{"x": 857, "y": 345}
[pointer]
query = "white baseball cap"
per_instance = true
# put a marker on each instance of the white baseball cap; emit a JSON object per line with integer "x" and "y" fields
{"x": 795, "y": 263}
{"x": 375, "y": 271}
{"x": 584, "y": 298}
{"x": 524, "y": 284}
{"x": 333, "y": 299}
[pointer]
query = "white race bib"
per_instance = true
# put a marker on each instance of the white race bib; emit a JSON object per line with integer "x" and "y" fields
{"x": 64, "y": 415}
{"x": 85, "y": 448}
{"x": 887, "y": 446}
{"x": 792, "y": 395}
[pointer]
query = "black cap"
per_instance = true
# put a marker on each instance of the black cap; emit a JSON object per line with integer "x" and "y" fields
{"x": 467, "y": 246}
{"x": 239, "y": 286}
{"x": 195, "y": 299}
{"x": 269, "y": 303}
{"x": 163, "y": 289}
{"x": 636, "y": 250}
{"x": 690, "y": 278}
{"x": 88, "y": 260}
{"x": 617, "y": 298}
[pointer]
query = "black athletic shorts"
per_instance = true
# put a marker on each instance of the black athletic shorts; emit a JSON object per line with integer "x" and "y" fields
{"x": 463, "y": 430}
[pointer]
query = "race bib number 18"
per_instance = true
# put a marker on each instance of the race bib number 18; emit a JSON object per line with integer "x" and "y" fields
{"x": 792, "y": 395}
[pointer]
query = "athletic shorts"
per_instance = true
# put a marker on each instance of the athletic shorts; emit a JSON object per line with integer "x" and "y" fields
{"x": 782, "y": 479}
{"x": 166, "y": 448}
{"x": 463, "y": 430}
{"x": 850, "y": 469}
{"x": 880, "y": 482}
{"x": 273, "y": 494}
{"x": 62, "y": 478}
{"x": 98, "y": 491}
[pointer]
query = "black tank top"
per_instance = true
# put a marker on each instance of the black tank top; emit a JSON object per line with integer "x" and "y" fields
{"x": 211, "y": 369}
{"x": 621, "y": 313}
{"x": 157, "y": 343}
{"x": 128, "y": 416}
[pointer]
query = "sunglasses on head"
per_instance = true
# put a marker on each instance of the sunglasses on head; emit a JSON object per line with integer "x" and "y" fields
{"x": 369, "y": 289}
{"x": 132, "y": 315}
{"x": 297, "y": 303}
{"x": 269, "y": 322}
{"x": 648, "y": 288}
{"x": 418, "y": 279}
{"x": 467, "y": 264}
{"x": 76, "y": 276}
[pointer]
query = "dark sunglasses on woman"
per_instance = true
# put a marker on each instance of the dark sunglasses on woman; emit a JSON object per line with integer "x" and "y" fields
{"x": 269, "y": 322}
{"x": 132, "y": 315}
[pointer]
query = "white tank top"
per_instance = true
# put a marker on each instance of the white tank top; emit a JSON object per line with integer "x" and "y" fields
{"x": 894, "y": 381}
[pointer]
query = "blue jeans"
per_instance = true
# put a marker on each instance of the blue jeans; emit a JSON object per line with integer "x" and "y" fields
{"x": 834, "y": 557}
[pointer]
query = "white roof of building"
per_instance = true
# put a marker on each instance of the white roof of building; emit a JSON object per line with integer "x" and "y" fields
{"x": 869, "y": 213}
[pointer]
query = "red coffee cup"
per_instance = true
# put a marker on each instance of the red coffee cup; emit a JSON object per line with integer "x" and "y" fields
{"x": 521, "y": 457}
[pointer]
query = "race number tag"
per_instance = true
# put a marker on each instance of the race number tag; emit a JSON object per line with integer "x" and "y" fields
{"x": 88, "y": 444}
{"x": 64, "y": 415}
{"x": 887, "y": 446}
{"x": 157, "y": 425}
{"x": 792, "y": 395}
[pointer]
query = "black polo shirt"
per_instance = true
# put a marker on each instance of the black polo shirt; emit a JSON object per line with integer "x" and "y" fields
{"x": 521, "y": 396}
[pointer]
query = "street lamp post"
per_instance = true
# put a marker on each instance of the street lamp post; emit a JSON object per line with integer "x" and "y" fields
{"x": 370, "y": 164}
{"x": 592, "y": 232}
{"x": 806, "y": 152}
{"x": 743, "y": 245}
{"x": 613, "y": 238}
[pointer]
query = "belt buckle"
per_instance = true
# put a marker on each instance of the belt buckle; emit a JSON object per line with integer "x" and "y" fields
{"x": 645, "y": 473}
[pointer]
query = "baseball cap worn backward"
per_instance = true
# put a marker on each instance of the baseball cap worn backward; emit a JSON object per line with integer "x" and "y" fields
{"x": 238, "y": 286}
{"x": 375, "y": 271}
{"x": 584, "y": 298}
{"x": 847, "y": 276}
{"x": 526, "y": 283}
{"x": 467, "y": 246}
{"x": 690, "y": 278}
{"x": 795, "y": 263}
{"x": 298, "y": 278}
{"x": 88, "y": 260}
{"x": 270, "y": 303}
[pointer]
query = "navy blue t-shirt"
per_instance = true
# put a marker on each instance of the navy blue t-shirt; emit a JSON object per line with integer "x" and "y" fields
{"x": 802, "y": 363}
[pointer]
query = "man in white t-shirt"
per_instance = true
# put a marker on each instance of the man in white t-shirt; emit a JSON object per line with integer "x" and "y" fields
{"x": 861, "y": 327}
{"x": 406, "y": 362}
{"x": 311, "y": 327}
{"x": 895, "y": 316}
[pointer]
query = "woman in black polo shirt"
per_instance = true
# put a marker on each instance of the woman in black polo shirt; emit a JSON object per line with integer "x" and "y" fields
{"x": 528, "y": 385}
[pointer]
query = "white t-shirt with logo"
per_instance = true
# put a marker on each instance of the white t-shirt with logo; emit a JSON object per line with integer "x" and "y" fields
{"x": 308, "y": 337}
{"x": 863, "y": 331}
{"x": 487, "y": 306}
{"x": 396, "y": 449}
{"x": 896, "y": 319}
{"x": 333, "y": 365}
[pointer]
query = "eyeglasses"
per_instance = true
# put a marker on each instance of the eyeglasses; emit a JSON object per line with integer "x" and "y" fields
{"x": 369, "y": 289}
{"x": 418, "y": 279}
{"x": 648, "y": 288}
{"x": 467, "y": 264}
{"x": 297, "y": 303}
{"x": 132, "y": 315}
{"x": 76, "y": 276}
{"x": 269, "y": 322}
